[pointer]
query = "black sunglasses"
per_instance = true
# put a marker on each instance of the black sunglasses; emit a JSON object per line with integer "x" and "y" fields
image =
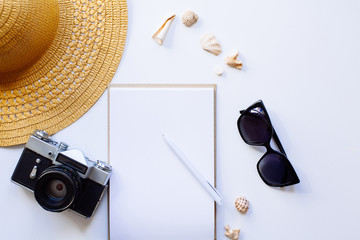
{"x": 256, "y": 129}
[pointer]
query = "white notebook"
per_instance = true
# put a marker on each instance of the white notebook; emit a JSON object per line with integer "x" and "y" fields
{"x": 152, "y": 194}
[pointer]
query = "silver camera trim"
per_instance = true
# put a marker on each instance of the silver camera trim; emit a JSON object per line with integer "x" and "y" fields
{"x": 41, "y": 143}
{"x": 46, "y": 149}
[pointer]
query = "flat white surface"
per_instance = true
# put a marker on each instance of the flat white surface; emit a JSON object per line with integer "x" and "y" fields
{"x": 150, "y": 186}
{"x": 301, "y": 58}
{"x": 23, "y": 218}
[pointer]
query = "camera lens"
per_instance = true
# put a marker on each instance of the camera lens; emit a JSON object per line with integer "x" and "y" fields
{"x": 57, "y": 188}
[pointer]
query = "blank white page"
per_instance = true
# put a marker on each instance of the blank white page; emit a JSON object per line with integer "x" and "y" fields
{"x": 152, "y": 194}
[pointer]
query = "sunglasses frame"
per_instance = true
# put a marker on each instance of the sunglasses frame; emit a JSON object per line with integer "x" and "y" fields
{"x": 269, "y": 149}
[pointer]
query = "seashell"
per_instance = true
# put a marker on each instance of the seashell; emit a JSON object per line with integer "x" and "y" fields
{"x": 210, "y": 44}
{"x": 232, "y": 233}
{"x": 242, "y": 204}
{"x": 232, "y": 62}
{"x": 189, "y": 18}
{"x": 160, "y": 34}
{"x": 219, "y": 70}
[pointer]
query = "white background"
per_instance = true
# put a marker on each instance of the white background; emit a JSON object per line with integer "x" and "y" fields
{"x": 301, "y": 58}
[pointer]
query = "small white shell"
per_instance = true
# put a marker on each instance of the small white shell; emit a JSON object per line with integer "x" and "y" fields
{"x": 232, "y": 62}
{"x": 210, "y": 44}
{"x": 189, "y": 18}
{"x": 160, "y": 34}
{"x": 219, "y": 70}
{"x": 242, "y": 204}
{"x": 232, "y": 233}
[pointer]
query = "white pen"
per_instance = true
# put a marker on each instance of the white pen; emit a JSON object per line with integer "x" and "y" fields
{"x": 208, "y": 187}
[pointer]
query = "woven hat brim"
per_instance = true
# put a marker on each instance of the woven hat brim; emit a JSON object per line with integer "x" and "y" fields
{"x": 54, "y": 94}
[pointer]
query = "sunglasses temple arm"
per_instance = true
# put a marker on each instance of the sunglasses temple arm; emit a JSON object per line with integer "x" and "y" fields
{"x": 278, "y": 143}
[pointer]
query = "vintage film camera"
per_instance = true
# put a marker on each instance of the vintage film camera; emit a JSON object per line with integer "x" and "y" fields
{"x": 60, "y": 178}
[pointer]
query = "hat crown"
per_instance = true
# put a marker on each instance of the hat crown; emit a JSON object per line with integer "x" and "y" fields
{"x": 27, "y": 28}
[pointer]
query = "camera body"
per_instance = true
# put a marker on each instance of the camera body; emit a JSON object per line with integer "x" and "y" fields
{"x": 61, "y": 178}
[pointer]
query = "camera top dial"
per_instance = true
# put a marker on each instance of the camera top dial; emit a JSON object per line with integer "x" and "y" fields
{"x": 41, "y": 134}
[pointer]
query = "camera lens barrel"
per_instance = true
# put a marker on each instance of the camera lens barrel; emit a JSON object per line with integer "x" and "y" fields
{"x": 57, "y": 188}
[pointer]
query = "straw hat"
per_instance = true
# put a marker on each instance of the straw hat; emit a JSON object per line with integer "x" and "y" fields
{"x": 57, "y": 57}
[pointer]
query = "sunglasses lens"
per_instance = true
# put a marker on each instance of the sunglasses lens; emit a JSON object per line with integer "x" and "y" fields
{"x": 255, "y": 128}
{"x": 276, "y": 170}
